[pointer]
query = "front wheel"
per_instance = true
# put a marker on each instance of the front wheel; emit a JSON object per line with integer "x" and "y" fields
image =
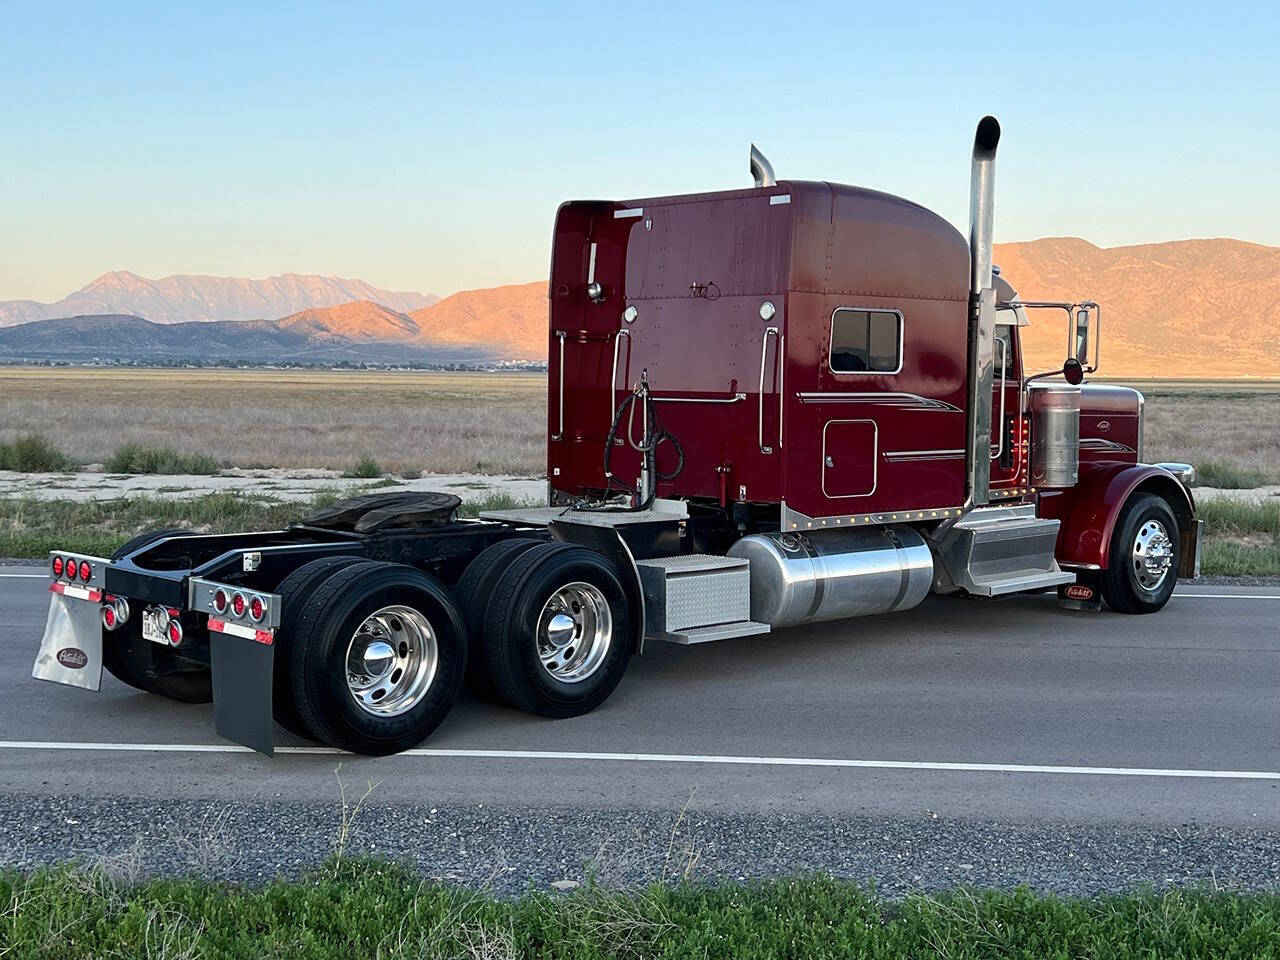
{"x": 559, "y": 631}
{"x": 376, "y": 658}
{"x": 1143, "y": 563}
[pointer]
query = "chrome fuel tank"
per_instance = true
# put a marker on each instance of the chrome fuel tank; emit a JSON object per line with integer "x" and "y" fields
{"x": 833, "y": 574}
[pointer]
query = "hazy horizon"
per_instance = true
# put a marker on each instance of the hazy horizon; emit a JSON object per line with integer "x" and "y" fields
{"x": 426, "y": 149}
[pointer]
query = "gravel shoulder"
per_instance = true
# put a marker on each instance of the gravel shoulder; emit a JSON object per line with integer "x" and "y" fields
{"x": 510, "y": 849}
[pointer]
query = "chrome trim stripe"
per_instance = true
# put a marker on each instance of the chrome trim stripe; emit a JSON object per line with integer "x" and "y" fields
{"x": 894, "y": 455}
{"x": 1098, "y": 443}
{"x": 794, "y": 520}
{"x": 736, "y": 398}
{"x": 901, "y": 400}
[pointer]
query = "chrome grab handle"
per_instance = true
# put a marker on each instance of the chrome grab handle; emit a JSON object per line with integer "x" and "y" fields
{"x": 1004, "y": 379}
{"x": 764, "y": 355}
{"x": 560, "y": 433}
{"x": 736, "y": 398}
{"x": 613, "y": 372}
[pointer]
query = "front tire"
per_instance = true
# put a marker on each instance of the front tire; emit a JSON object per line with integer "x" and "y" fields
{"x": 377, "y": 658}
{"x": 559, "y": 631}
{"x": 1143, "y": 562}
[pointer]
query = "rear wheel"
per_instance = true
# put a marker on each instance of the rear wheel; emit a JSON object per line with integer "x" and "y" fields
{"x": 149, "y": 666}
{"x": 1143, "y": 563}
{"x": 559, "y": 631}
{"x": 376, "y": 658}
{"x": 474, "y": 591}
{"x": 296, "y": 590}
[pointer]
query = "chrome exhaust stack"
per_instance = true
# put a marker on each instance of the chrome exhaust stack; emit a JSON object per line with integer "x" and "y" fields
{"x": 982, "y": 315}
{"x": 762, "y": 169}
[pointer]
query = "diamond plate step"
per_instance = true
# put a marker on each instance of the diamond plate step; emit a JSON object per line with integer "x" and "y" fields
{"x": 1001, "y": 550}
{"x": 721, "y": 631}
{"x": 694, "y": 591}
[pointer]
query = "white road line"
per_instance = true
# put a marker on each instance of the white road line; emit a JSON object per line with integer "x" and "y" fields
{"x": 671, "y": 758}
{"x": 24, "y": 576}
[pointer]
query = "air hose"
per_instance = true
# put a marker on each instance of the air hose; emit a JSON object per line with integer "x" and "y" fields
{"x": 652, "y": 438}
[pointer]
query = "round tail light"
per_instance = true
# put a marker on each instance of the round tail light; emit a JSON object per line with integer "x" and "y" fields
{"x": 71, "y": 569}
{"x": 57, "y": 566}
{"x": 175, "y": 632}
{"x": 238, "y": 604}
{"x": 86, "y": 571}
{"x": 109, "y": 618}
{"x": 257, "y": 609}
{"x": 220, "y": 600}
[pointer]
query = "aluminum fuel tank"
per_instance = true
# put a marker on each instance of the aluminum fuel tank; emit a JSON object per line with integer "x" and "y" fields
{"x": 833, "y": 574}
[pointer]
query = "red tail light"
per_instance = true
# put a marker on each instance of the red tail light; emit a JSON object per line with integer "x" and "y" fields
{"x": 109, "y": 617}
{"x": 57, "y": 566}
{"x": 71, "y": 569}
{"x": 220, "y": 600}
{"x": 86, "y": 571}
{"x": 237, "y": 604}
{"x": 257, "y": 610}
{"x": 175, "y": 632}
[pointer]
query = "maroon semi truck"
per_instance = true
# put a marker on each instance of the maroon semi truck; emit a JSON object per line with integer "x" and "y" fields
{"x": 789, "y": 403}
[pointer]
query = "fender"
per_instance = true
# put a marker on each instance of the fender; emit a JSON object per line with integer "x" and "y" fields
{"x": 1090, "y": 510}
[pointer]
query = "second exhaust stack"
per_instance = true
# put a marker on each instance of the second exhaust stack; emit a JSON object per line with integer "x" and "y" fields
{"x": 982, "y": 314}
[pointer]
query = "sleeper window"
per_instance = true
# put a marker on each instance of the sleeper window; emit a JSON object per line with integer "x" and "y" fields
{"x": 866, "y": 341}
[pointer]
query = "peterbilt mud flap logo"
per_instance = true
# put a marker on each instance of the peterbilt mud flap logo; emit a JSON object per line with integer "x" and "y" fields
{"x": 72, "y": 657}
{"x": 1078, "y": 591}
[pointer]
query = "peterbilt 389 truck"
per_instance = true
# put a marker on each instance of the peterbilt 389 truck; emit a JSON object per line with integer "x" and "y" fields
{"x": 784, "y": 404}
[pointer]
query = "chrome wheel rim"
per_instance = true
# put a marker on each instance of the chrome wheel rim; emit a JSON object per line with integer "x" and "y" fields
{"x": 575, "y": 630}
{"x": 391, "y": 661}
{"x": 1152, "y": 555}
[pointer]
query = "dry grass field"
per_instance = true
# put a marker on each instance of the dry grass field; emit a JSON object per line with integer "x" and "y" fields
{"x": 440, "y": 422}
{"x": 459, "y": 422}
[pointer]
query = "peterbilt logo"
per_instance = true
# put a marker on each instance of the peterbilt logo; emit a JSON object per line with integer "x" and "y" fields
{"x": 1104, "y": 425}
{"x": 72, "y": 657}
{"x": 1078, "y": 591}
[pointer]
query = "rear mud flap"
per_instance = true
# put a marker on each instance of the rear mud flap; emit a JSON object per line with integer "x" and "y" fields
{"x": 71, "y": 649}
{"x": 242, "y": 690}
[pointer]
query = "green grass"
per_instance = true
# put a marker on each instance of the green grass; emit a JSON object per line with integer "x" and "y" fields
{"x": 136, "y": 458}
{"x": 32, "y": 453}
{"x": 1227, "y": 476}
{"x": 365, "y": 468}
{"x": 32, "y": 528}
{"x": 1242, "y": 538}
{"x": 369, "y": 909}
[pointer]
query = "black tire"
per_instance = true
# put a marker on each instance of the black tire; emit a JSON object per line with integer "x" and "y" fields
{"x": 317, "y": 657}
{"x": 473, "y": 592}
{"x": 295, "y": 591}
{"x": 1121, "y": 586}
{"x": 511, "y": 628}
{"x": 145, "y": 665}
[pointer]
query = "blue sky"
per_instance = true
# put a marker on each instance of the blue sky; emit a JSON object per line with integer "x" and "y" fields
{"x": 424, "y": 146}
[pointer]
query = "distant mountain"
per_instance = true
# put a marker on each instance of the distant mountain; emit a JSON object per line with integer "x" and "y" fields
{"x": 361, "y": 322}
{"x": 183, "y": 298}
{"x": 510, "y": 320}
{"x": 1186, "y": 308}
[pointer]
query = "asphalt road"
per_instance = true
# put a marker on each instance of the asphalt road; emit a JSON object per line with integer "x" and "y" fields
{"x": 994, "y": 742}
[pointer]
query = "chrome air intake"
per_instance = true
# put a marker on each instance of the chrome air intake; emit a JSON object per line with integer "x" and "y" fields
{"x": 833, "y": 574}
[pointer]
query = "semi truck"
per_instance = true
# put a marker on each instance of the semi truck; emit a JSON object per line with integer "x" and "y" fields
{"x": 784, "y": 404}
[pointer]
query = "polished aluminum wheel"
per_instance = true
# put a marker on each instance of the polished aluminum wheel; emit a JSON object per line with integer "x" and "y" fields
{"x": 1152, "y": 555}
{"x": 391, "y": 661}
{"x": 575, "y": 630}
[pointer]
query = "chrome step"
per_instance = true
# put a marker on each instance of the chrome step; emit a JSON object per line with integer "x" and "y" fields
{"x": 697, "y": 596}
{"x": 1001, "y": 550}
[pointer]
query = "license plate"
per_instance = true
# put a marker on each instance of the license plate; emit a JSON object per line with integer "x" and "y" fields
{"x": 152, "y": 629}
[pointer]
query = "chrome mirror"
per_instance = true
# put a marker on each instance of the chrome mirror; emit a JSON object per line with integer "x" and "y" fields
{"x": 1082, "y": 335}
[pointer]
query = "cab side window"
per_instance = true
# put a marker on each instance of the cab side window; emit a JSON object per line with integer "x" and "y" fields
{"x": 866, "y": 341}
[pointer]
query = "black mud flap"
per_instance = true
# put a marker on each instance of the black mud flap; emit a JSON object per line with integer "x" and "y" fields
{"x": 1084, "y": 594}
{"x": 242, "y": 690}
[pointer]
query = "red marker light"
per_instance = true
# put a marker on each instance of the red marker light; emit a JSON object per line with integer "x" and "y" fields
{"x": 175, "y": 632}
{"x": 256, "y": 609}
{"x": 57, "y": 566}
{"x": 237, "y": 604}
{"x": 71, "y": 569}
{"x": 86, "y": 571}
{"x": 109, "y": 617}
{"x": 220, "y": 600}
